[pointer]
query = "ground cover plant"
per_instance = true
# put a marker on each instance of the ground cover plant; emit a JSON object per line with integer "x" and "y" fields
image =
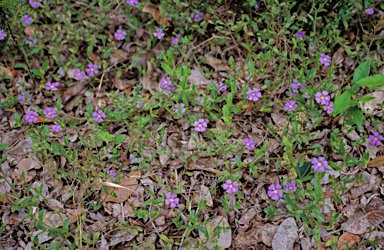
{"x": 192, "y": 124}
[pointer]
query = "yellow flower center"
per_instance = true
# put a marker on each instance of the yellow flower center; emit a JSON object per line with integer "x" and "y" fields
{"x": 247, "y": 143}
{"x": 170, "y": 200}
{"x": 137, "y": 106}
{"x": 49, "y": 113}
{"x": 327, "y": 107}
{"x": 99, "y": 115}
{"x": 120, "y": 34}
{"x": 32, "y": 116}
{"x": 170, "y": 88}
{"x": 325, "y": 59}
{"x": 290, "y": 187}
{"x": 253, "y": 93}
{"x": 166, "y": 82}
{"x": 220, "y": 88}
{"x": 290, "y": 106}
{"x": 320, "y": 164}
{"x": 92, "y": 68}
{"x": 51, "y": 86}
{"x": 376, "y": 138}
{"x": 79, "y": 73}
{"x": 159, "y": 33}
{"x": 276, "y": 191}
{"x": 231, "y": 186}
{"x": 322, "y": 97}
{"x": 199, "y": 125}
{"x": 298, "y": 83}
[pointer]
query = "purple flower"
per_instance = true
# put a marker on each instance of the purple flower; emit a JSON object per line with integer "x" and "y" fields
{"x": 159, "y": 33}
{"x": 52, "y": 86}
{"x": 253, "y": 94}
{"x": 78, "y": 74}
{"x": 50, "y": 113}
{"x": 248, "y": 143}
{"x": 31, "y": 116}
{"x": 1, "y": 112}
{"x": 111, "y": 173}
{"x": 289, "y": 106}
{"x": 3, "y": 34}
{"x": 319, "y": 164}
{"x": 325, "y": 60}
{"x": 257, "y": 5}
{"x": 34, "y": 3}
{"x": 274, "y": 191}
{"x": 138, "y": 105}
{"x": 26, "y": 20}
{"x": 56, "y": 127}
{"x": 175, "y": 40}
{"x": 168, "y": 88}
{"x": 165, "y": 81}
{"x": 300, "y": 34}
{"x": 294, "y": 92}
{"x": 132, "y": 2}
{"x": 22, "y": 212}
{"x": 296, "y": 84}
{"x": 230, "y": 187}
{"x": 328, "y": 108}
{"x": 171, "y": 199}
{"x": 120, "y": 34}
{"x": 375, "y": 139}
{"x": 176, "y": 109}
{"x": 197, "y": 17}
{"x": 22, "y": 98}
{"x": 98, "y": 115}
{"x": 221, "y": 87}
{"x": 200, "y": 125}
{"x": 369, "y": 11}
{"x": 322, "y": 98}
{"x": 92, "y": 69}
{"x": 30, "y": 41}
{"x": 290, "y": 186}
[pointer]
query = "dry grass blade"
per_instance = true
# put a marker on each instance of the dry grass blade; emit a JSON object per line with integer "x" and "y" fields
{"x": 110, "y": 184}
{"x": 123, "y": 190}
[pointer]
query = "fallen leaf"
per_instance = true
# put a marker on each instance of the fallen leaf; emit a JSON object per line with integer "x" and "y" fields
{"x": 29, "y": 31}
{"x": 268, "y": 233}
{"x": 40, "y": 119}
{"x": 359, "y": 221}
{"x": 320, "y": 245}
{"x": 198, "y": 79}
{"x": 24, "y": 166}
{"x": 338, "y": 56}
{"x": 6, "y": 71}
{"x": 248, "y": 106}
{"x": 370, "y": 107}
{"x": 286, "y": 235}
{"x": 376, "y": 162}
{"x": 216, "y": 63}
{"x": 123, "y": 190}
{"x": 153, "y": 9}
{"x": 94, "y": 58}
{"x": 351, "y": 239}
{"x": 146, "y": 79}
{"x": 225, "y": 238}
{"x": 380, "y": 25}
{"x": 13, "y": 109}
{"x": 203, "y": 190}
{"x": 250, "y": 237}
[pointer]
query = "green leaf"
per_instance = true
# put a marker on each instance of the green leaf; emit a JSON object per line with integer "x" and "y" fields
{"x": 167, "y": 69}
{"x": 45, "y": 65}
{"x": 372, "y": 81}
{"x": 58, "y": 104}
{"x": 19, "y": 65}
{"x": 366, "y": 98}
{"x": 362, "y": 71}
{"x": 119, "y": 139}
{"x": 357, "y": 116}
{"x": 108, "y": 52}
{"x": 318, "y": 190}
{"x": 342, "y": 102}
{"x": 36, "y": 72}
{"x": 304, "y": 170}
{"x": 105, "y": 136}
{"x": 4, "y": 146}
{"x": 251, "y": 67}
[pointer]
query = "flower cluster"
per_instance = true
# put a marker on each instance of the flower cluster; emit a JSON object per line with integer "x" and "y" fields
{"x": 111, "y": 173}
{"x": 376, "y": 139}
{"x": 26, "y": 20}
{"x": 275, "y": 190}
{"x": 221, "y": 87}
{"x": 175, "y": 40}
{"x": 30, "y": 41}
{"x": 167, "y": 85}
{"x": 324, "y": 99}
{"x": 300, "y": 34}
{"x": 176, "y": 109}
{"x": 91, "y": 70}
{"x": 159, "y": 33}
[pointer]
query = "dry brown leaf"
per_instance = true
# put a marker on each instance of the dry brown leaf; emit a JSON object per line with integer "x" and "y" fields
{"x": 376, "y": 162}
{"x": 123, "y": 190}
{"x": 13, "y": 109}
{"x": 7, "y": 71}
{"x": 146, "y": 79}
{"x": 153, "y": 9}
{"x": 351, "y": 239}
{"x": 24, "y": 166}
{"x": 225, "y": 238}
{"x": 248, "y": 106}
{"x": 198, "y": 79}
{"x": 380, "y": 25}
{"x": 94, "y": 58}
{"x": 29, "y": 31}
{"x": 40, "y": 119}
{"x": 203, "y": 190}
{"x": 216, "y": 64}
